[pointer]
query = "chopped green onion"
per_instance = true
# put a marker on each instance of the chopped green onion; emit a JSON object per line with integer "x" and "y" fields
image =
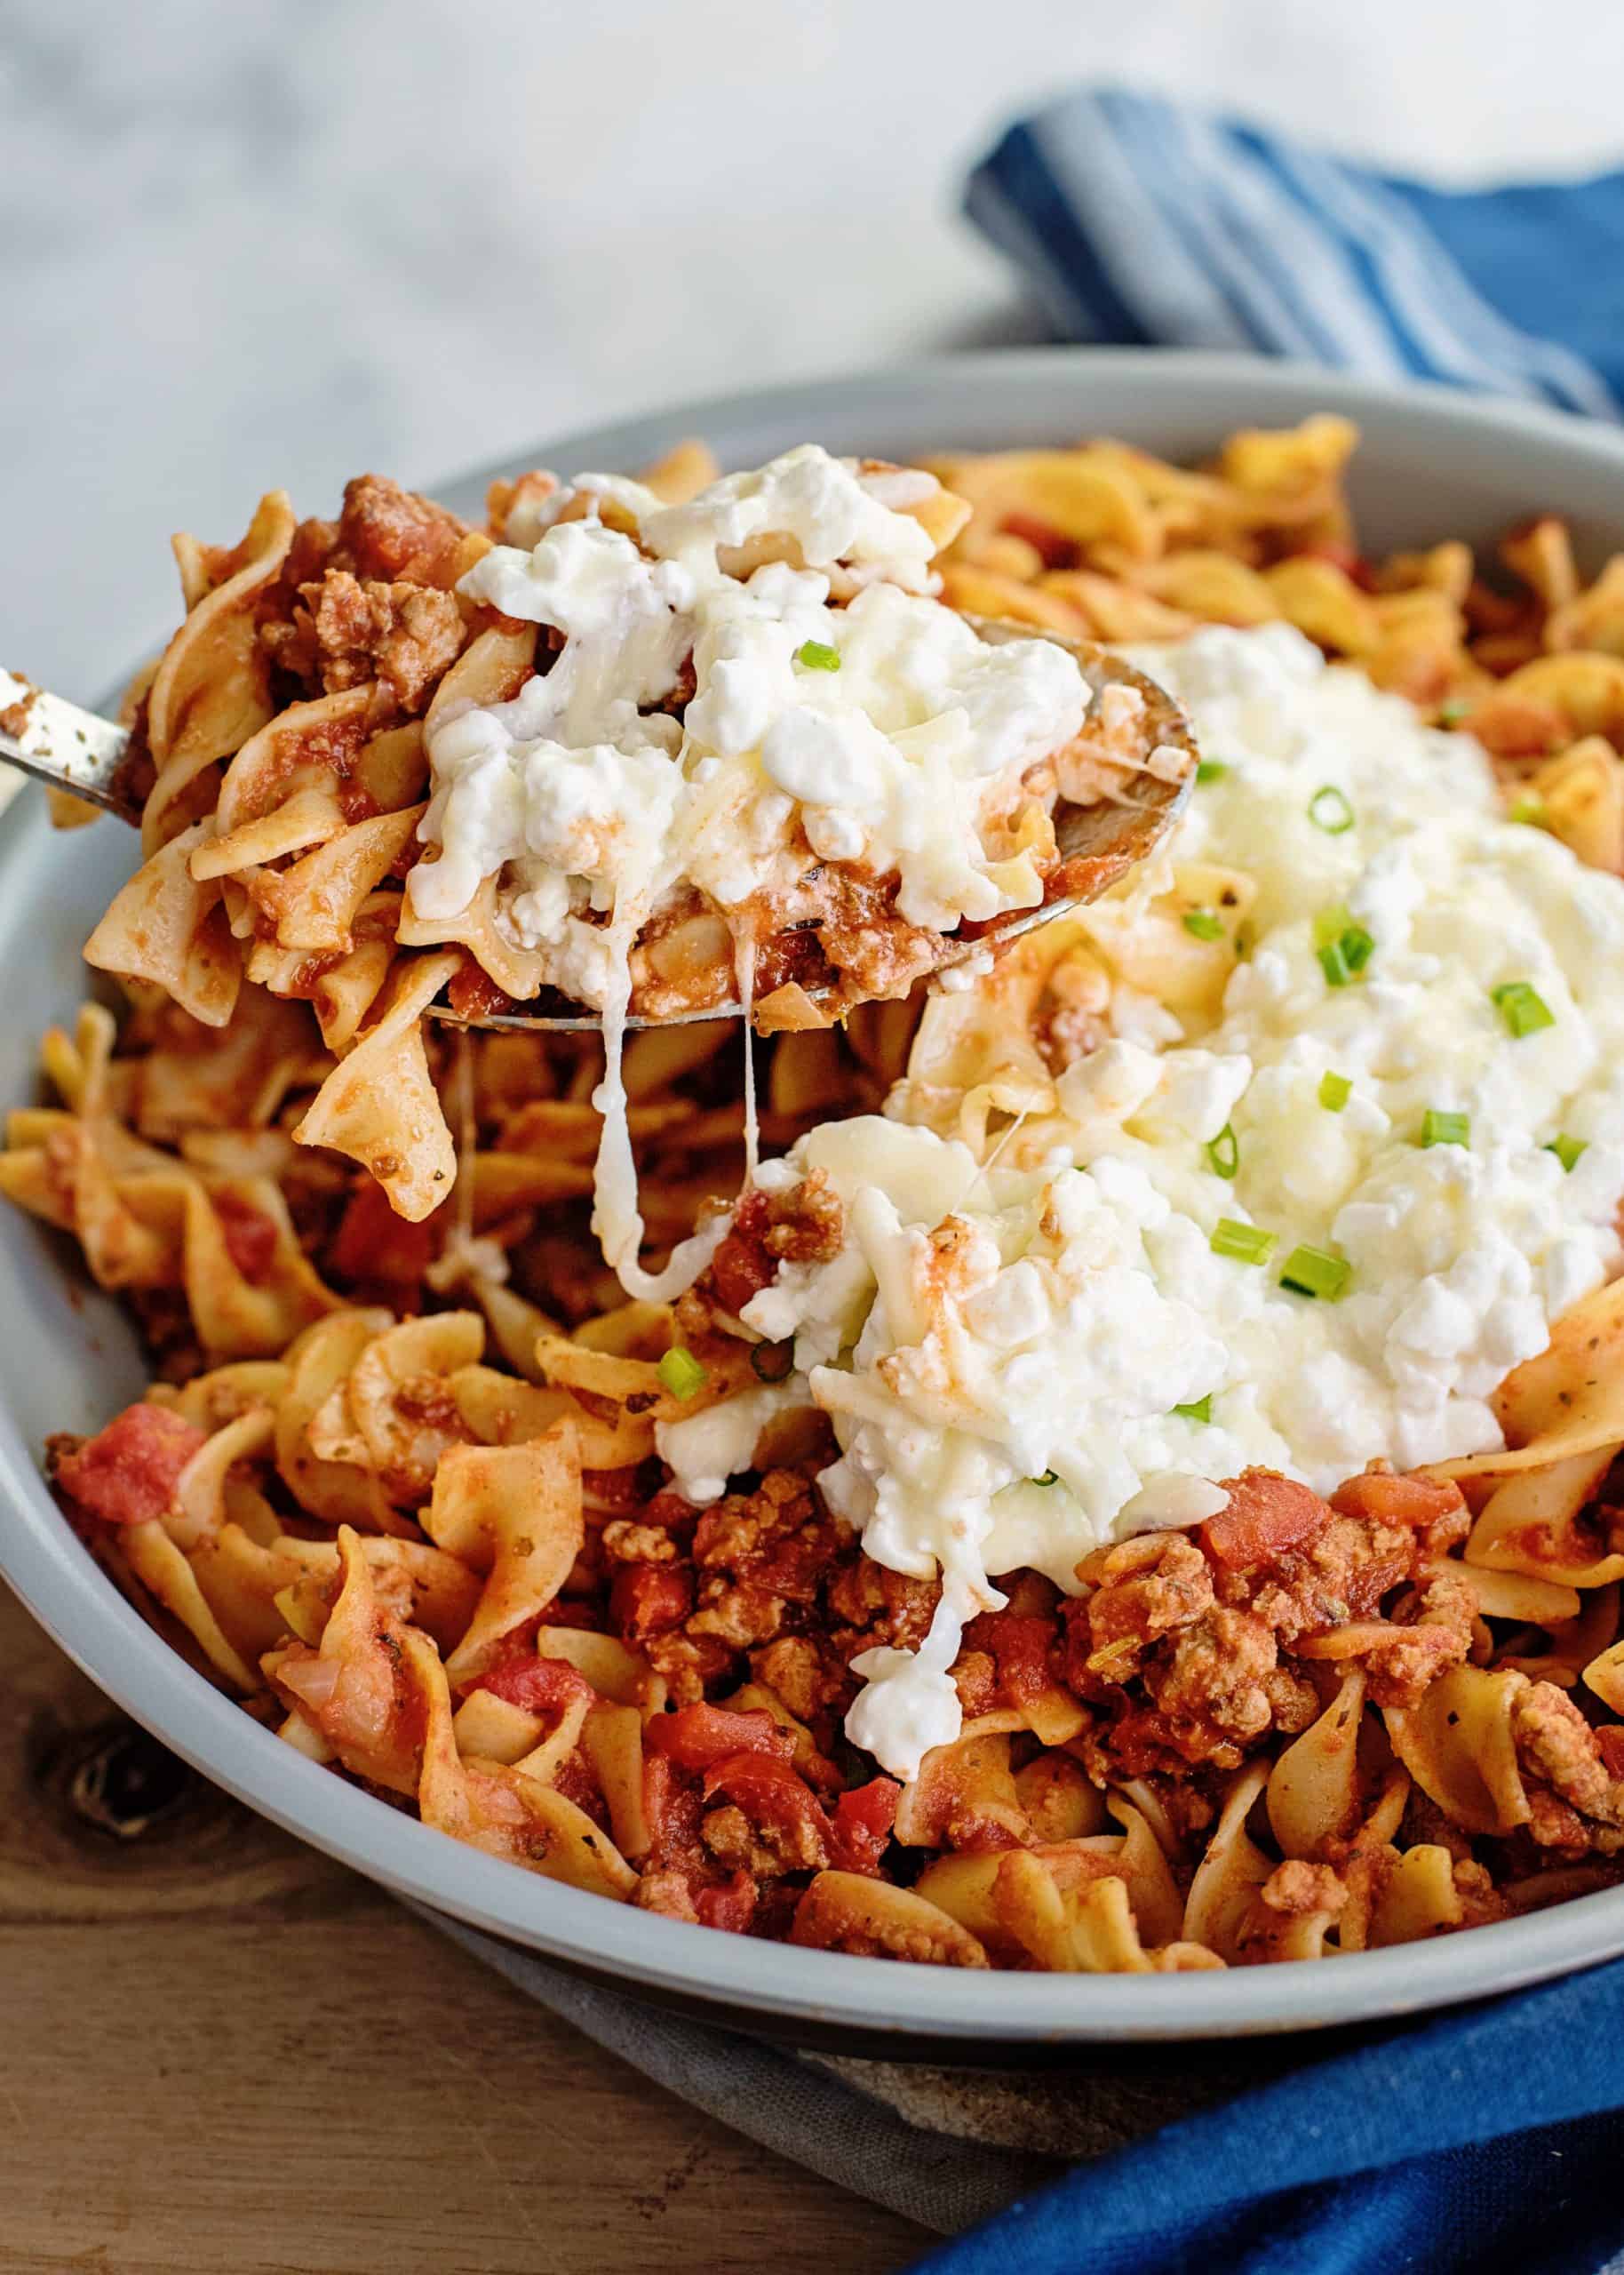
{"x": 681, "y": 1373}
{"x": 770, "y": 1362}
{"x": 1441, "y": 1128}
{"x": 1335, "y": 1092}
{"x": 1567, "y": 1150}
{"x": 1049, "y": 1477}
{"x": 1329, "y": 810}
{"x": 1344, "y": 961}
{"x": 1202, "y": 925}
{"x": 1529, "y": 809}
{"x": 1454, "y": 710}
{"x": 819, "y": 656}
{"x": 1211, "y": 769}
{"x": 1311, "y": 1272}
{"x": 1224, "y": 1152}
{"x": 1523, "y": 1008}
{"x": 1244, "y": 1243}
{"x": 1343, "y": 947}
{"x": 1200, "y": 1410}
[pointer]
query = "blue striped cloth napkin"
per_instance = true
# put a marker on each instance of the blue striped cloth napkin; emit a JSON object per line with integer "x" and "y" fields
{"x": 1140, "y": 222}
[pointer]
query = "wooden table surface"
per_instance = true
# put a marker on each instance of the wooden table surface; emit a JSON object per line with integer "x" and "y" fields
{"x": 223, "y": 2055}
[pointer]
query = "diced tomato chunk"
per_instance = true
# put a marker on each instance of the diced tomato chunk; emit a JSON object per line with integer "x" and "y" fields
{"x": 473, "y": 994}
{"x": 1054, "y": 547}
{"x": 540, "y": 1685}
{"x": 616, "y": 1492}
{"x": 671, "y": 1803}
{"x": 372, "y": 1243}
{"x": 668, "y": 1509}
{"x": 862, "y": 1826}
{"x": 659, "y": 1795}
{"x": 1383, "y": 1499}
{"x": 1267, "y": 1514}
{"x": 249, "y": 1233}
{"x": 742, "y": 1265}
{"x": 770, "y": 1794}
{"x": 751, "y": 1774}
{"x": 728, "y": 1904}
{"x": 647, "y": 1599}
{"x": 126, "y": 1474}
{"x": 1019, "y": 1644}
{"x": 699, "y": 1736}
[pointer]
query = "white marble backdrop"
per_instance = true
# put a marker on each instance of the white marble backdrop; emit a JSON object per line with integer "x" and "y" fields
{"x": 251, "y": 242}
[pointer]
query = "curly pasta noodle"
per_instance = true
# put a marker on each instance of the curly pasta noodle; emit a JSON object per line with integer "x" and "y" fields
{"x": 395, "y": 1485}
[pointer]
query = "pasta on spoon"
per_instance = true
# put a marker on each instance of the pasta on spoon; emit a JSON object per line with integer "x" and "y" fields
{"x": 672, "y": 750}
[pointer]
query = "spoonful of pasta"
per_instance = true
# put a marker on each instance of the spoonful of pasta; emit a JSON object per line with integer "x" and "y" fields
{"x": 632, "y": 754}
{"x": 822, "y": 934}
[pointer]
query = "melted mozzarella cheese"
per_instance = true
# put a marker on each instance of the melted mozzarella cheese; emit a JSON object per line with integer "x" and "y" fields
{"x": 1005, "y": 1351}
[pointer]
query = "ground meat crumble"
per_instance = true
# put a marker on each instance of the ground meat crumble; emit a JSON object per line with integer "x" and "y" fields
{"x": 1189, "y": 1654}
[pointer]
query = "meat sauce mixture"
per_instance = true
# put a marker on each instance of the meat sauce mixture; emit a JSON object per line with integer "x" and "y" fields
{"x": 1189, "y": 1654}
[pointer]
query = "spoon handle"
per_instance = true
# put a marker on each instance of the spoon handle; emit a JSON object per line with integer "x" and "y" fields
{"x": 71, "y": 749}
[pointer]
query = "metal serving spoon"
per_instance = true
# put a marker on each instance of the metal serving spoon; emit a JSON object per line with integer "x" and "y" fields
{"x": 79, "y": 751}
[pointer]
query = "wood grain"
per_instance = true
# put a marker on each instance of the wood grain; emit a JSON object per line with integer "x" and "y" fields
{"x": 223, "y": 2055}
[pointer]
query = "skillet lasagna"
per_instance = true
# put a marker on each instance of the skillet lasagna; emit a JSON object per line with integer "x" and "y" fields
{"x": 1131, "y": 1482}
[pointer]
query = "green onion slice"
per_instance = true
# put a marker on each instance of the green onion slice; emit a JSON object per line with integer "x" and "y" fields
{"x": 1442, "y": 1129}
{"x": 817, "y": 656}
{"x": 1199, "y": 1410}
{"x": 1312, "y": 1271}
{"x": 1049, "y": 1477}
{"x": 1243, "y": 1243}
{"x": 1203, "y": 924}
{"x": 1210, "y": 770}
{"x": 1567, "y": 1150}
{"x": 1329, "y": 810}
{"x": 1335, "y": 1092}
{"x": 681, "y": 1373}
{"x": 1529, "y": 809}
{"x": 1522, "y": 1008}
{"x": 1224, "y": 1152}
{"x": 1343, "y": 947}
{"x": 1341, "y": 966}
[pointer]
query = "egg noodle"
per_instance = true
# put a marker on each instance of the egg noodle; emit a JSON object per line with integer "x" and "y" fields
{"x": 1130, "y": 1484}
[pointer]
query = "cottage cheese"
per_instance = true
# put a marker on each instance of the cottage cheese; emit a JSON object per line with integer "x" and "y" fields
{"x": 987, "y": 1326}
{"x": 588, "y": 802}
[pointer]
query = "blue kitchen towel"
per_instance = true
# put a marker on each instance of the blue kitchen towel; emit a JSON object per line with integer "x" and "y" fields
{"x": 1489, "y": 2140}
{"x": 1139, "y": 221}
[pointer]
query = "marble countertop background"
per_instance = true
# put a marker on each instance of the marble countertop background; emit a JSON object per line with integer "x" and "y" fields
{"x": 282, "y": 241}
